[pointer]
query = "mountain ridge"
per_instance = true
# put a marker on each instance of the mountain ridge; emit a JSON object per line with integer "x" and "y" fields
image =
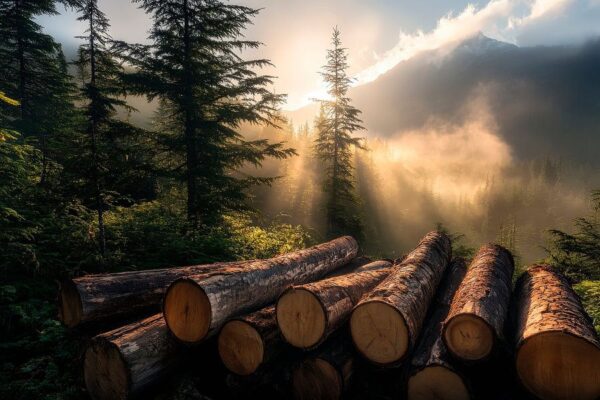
{"x": 524, "y": 88}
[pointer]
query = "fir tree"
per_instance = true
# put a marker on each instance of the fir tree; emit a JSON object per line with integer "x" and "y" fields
{"x": 207, "y": 92}
{"x": 106, "y": 150}
{"x": 32, "y": 72}
{"x": 577, "y": 254}
{"x": 337, "y": 121}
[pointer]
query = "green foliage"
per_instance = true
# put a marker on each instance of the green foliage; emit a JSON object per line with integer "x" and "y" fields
{"x": 334, "y": 144}
{"x": 17, "y": 227}
{"x": 34, "y": 74}
{"x": 155, "y": 234}
{"x": 459, "y": 247}
{"x": 589, "y": 291}
{"x": 577, "y": 254}
{"x": 38, "y": 357}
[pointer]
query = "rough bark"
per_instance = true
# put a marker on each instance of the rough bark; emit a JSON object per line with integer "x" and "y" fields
{"x": 248, "y": 343}
{"x": 483, "y": 296}
{"x": 326, "y": 374}
{"x": 102, "y": 296}
{"x": 431, "y": 351}
{"x": 123, "y": 362}
{"x": 558, "y": 350}
{"x": 336, "y": 297}
{"x": 230, "y": 292}
{"x": 405, "y": 293}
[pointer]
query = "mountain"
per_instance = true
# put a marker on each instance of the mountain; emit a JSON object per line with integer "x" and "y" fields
{"x": 545, "y": 101}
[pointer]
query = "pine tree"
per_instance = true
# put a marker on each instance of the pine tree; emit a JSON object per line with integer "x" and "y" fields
{"x": 32, "y": 72}
{"x": 207, "y": 92}
{"x": 106, "y": 150}
{"x": 337, "y": 121}
{"x": 577, "y": 254}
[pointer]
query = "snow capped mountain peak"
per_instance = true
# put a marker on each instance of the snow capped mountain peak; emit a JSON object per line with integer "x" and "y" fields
{"x": 479, "y": 44}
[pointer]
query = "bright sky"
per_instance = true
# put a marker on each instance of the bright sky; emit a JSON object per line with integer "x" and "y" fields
{"x": 378, "y": 33}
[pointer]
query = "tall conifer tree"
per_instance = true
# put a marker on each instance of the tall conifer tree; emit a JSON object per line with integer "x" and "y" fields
{"x": 32, "y": 63}
{"x": 337, "y": 121}
{"x": 106, "y": 154}
{"x": 207, "y": 92}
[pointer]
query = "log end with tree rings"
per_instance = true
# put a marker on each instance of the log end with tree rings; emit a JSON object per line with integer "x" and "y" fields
{"x": 301, "y": 318}
{"x": 437, "y": 383}
{"x": 105, "y": 373}
{"x": 187, "y": 311}
{"x": 379, "y": 332}
{"x": 241, "y": 347}
{"x": 559, "y": 366}
{"x": 469, "y": 337}
{"x": 316, "y": 378}
{"x": 70, "y": 309}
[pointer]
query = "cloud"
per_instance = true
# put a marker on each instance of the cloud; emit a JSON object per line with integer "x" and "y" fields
{"x": 449, "y": 29}
{"x": 541, "y": 9}
{"x": 507, "y": 20}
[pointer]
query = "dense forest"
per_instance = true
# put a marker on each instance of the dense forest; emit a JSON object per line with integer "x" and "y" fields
{"x": 217, "y": 173}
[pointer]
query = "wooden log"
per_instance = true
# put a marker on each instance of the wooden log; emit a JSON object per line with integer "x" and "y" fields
{"x": 123, "y": 362}
{"x": 325, "y": 375}
{"x": 307, "y": 314}
{"x": 480, "y": 307}
{"x": 433, "y": 374}
{"x": 195, "y": 307}
{"x": 557, "y": 348}
{"x": 102, "y": 296}
{"x": 387, "y": 322}
{"x": 248, "y": 342}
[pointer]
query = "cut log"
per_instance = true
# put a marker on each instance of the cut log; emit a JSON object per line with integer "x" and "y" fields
{"x": 102, "y": 296}
{"x": 433, "y": 374}
{"x": 558, "y": 350}
{"x": 387, "y": 322}
{"x": 121, "y": 363}
{"x": 480, "y": 307}
{"x": 326, "y": 375}
{"x": 308, "y": 314}
{"x": 248, "y": 342}
{"x": 195, "y": 307}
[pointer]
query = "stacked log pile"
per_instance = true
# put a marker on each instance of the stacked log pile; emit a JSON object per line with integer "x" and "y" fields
{"x": 313, "y": 323}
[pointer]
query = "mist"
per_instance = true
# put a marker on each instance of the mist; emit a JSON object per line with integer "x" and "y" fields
{"x": 460, "y": 173}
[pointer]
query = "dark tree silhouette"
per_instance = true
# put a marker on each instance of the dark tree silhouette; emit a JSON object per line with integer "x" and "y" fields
{"x": 207, "y": 91}
{"x": 34, "y": 73}
{"x": 107, "y": 156}
{"x": 334, "y": 144}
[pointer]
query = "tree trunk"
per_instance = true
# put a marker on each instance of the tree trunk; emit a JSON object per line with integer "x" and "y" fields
{"x": 195, "y": 307}
{"x": 93, "y": 133}
{"x": 433, "y": 374}
{"x": 558, "y": 350}
{"x": 96, "y": 297}
{"x": 121, "y": 363}
{"x": 246, "y": 343}
{"x": 308, "y": 314}
{"x": 479, "y": 308}
{"x": 386, "y": 324}
{"x": 326, "y": 375}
